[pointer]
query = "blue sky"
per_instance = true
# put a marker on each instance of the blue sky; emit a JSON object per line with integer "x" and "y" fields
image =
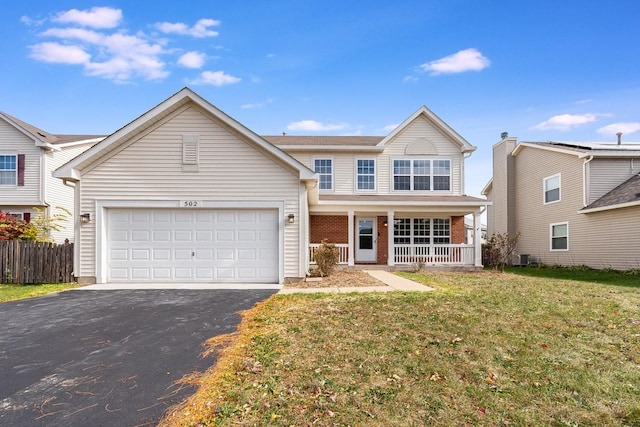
{"x": 541, "y": 70}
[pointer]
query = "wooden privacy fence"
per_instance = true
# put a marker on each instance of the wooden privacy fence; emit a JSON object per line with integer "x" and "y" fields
{"x": 35, "y": 262}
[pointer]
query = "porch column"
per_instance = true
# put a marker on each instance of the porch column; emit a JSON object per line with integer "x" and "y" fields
{"x": 477, "y": 237}
{"x": 391, "y": 258}
{"x": 351, "y": 259}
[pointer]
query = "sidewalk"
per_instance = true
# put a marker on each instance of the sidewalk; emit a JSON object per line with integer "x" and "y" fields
{"x": 391, "y": 281}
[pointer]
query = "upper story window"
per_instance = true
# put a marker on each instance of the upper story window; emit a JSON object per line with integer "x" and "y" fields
{"x": 421, "y": 175}
{"x": 324, "y": 169}
{"x": 366, "y": 174}
{"x": 552, "y": 189}
{"x": 559, "y": 236}
{"x": 9, "y": 169}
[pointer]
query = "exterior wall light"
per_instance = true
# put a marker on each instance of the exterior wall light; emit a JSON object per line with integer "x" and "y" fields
{"x": 385, "y": 223}
{"x": 85, "y": 218}
{"x": 291, "y": 218}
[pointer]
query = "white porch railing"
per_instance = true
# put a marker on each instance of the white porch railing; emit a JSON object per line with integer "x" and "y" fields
{"x": 343, "y": 252}
{"x": 435, "y": 254}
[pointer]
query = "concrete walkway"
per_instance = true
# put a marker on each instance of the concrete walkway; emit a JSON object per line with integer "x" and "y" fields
{"x": 391, "y": 282}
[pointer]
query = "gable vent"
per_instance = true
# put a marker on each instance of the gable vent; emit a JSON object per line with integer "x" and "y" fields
{"x": 190, "y": 150}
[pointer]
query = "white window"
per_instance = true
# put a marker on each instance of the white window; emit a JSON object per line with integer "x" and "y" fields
{"x": 559, "y": 236}
{"x": 421, "y": 175}
{"x": 366, "y": 174}
{"x": 324, "y": 169}
{"x": 9, "y": 169}
{"x": 16, "y": 214}
{"x": 421, "y": 231}
{"x": 552, "y": 189}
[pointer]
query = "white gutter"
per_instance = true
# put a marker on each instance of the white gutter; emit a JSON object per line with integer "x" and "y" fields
{"x": 586, "y": 182}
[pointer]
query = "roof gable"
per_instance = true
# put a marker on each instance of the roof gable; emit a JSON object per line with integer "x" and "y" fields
{"x": 110, "y": 145}
{"x": 437, "y": 122}
{"x": 47, "y": 140}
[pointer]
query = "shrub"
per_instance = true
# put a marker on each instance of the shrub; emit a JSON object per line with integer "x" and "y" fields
{"x": 500, "y": 248}
{"x": 12, "y": 228}
{"x": 326, "y": 258}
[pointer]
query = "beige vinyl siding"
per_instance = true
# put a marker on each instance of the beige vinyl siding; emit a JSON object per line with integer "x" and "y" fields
{"x": 58, "y": 194}
{"x": 501, "y": 216}
{"x": 608, "y": 239}
{"x": 421, "y": 128}
{"x": 533, "y": 217}
{"x": 13, "y": 141}
{"x": 230, "y": 169}
{"x": 344, "y": 164}
{"x": 607, "y": 174}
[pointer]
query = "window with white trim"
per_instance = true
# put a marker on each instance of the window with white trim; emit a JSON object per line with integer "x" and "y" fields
{"x": 421, "y": 231}
{"x": 421, "y": 175}
{"x": 324, "y": 169}
{"x": 552, "y": 189}
{"x": 366, "y": 174}
{"x": 16, "y": 214}
{"x": 559, "y": 234}
{"x": 9, "y": 169}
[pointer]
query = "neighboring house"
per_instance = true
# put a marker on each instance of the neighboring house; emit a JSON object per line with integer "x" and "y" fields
{"x": 28, "y": 156}
{"x": 469, "y": 231}
{"x": 186, "y": 193}
{"x": 573, "y": 203}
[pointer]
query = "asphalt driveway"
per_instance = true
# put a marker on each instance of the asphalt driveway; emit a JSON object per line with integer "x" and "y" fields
{"x": 108, "y": 358}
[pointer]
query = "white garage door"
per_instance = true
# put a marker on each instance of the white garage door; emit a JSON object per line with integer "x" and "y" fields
{"x": 167, "y": 245}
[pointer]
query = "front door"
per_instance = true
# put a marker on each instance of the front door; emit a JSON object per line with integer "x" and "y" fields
{"x": 366, "y": 240}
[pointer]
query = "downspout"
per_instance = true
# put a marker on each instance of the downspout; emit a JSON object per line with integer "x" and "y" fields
{"x": 76, "y": 224}
{"x": 585, "y": 180}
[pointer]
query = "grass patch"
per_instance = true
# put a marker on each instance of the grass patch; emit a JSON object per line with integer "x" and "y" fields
{"x": 582, "y": 274}
{"x": 483, "y": 349}
{"x": 16, "y": 292}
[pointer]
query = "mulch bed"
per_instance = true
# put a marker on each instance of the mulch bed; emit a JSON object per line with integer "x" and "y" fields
{"x": 339, "y": 278}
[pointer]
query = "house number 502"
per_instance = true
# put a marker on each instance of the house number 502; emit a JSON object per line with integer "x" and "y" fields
{"x": 190, "y": 203}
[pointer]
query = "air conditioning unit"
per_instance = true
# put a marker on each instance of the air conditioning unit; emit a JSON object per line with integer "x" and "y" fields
{"x": 523, "y": 259}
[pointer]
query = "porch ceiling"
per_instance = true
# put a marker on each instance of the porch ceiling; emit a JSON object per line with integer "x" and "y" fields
{"x": 454, "y": 205}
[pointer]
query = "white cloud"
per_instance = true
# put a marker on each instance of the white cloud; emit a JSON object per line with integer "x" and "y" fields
{"x": 459, "y": 62}
{"x": 257, "y": 104}
{"x": 96, "y": 17}
{"x": 215, "y": 78}
{"x": 58, "y": 53}
{"x": 79, "y": 34}
{"x": 625, "y": 127}
{"x": 192, "y": 59}
{"x": 566, "y": 122}
{"x": 583, "y": 101}
{"x": 407, "y": 79}
{"x": 389, "y": 128}
{"x": 314, "y": 126}
{"x": 199, "y": 30}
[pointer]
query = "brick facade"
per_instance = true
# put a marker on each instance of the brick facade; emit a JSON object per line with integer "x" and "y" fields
{"x": 457, "y": 229}
{"x": 332, "y": 228}
{"x": 383, "y": 240}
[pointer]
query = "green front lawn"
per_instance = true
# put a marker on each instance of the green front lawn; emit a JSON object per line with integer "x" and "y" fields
{"x": 483, "y": 349}
{"x": 15, "y": 292}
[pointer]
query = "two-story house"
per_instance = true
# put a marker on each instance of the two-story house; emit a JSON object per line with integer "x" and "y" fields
{"x": 573, "y": 203}
{"x": 186, "y": 193}
{"x": 28, "y": 156}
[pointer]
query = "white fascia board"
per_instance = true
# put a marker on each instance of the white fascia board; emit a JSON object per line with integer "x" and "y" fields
{"x": 611, "y": 207}
{"x": 81, "y": 142}
{"x": 544, "y": 147}
{"x": 487, "y": 187}
{"x": 611, "y": 153}
{"x": 402, "y": 203}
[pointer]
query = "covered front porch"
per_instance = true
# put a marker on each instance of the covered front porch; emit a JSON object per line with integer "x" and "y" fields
{"x": 409, "y": 236}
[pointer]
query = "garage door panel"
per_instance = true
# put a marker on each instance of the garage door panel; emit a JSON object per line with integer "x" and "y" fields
{"x": 192, "y": 245}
